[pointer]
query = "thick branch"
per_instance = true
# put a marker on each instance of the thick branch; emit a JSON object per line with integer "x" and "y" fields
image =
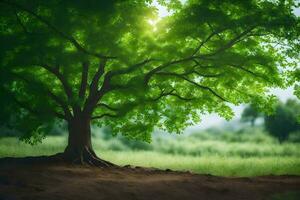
{"x": 63, "y": 105}
{"x": 95, "y": 96}
{"x": 61, "y": 78}
{"x": 95, "y": 81}
{"x": 84, "y": 78}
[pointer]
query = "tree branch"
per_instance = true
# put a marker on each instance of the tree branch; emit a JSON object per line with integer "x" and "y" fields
{"x": 27, "y": 107}
{"x": 192, "y": 82}
{"x": 95, "y": 96}
{"x": 64, "y": 106}
{"x": 208, "y": 75}
{"x": 107, "y": 106}
{"x": 201, "y": 74}
{"x": 180, "y": 97}
{"x": 171, "y": 93}
{"x": 95, "y": 81}
{"x": 61, "y": 78}
{"x": 231, "y": 43}
{"x": 162, "y": 94}
{"x": 249, "y": 71}
{"x": 84, "y": 77}
{"x": 206, "y": 40}
{"x": 163, "y": 66}
{"x": 130, "y": 68}
{"x": 213, "y": 30}
{"x": 103, "y": 115}
{"x": 56, "y": 30}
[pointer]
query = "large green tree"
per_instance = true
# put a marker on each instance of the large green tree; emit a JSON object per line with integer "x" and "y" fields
{"x": 99, "y": 61}
{"x": 284, "y": 121}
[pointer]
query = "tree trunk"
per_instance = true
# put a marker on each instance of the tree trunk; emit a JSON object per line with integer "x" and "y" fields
{"x": 252, "y": 122}
{"x": 79, "y": 149}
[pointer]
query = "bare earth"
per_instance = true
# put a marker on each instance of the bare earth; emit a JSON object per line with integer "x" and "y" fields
{"x": 45, "y": 182}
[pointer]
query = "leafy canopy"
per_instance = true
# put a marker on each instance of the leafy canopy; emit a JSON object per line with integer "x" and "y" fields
{"x": 103, "y": 59}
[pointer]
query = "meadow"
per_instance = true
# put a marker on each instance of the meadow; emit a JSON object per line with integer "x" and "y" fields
{"x": 238, "y": 154}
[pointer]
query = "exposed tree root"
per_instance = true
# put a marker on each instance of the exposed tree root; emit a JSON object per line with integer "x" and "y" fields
{"x": 86, "y": 156}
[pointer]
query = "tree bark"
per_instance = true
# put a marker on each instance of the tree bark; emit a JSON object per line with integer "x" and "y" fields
{"x": 79, "y": 149}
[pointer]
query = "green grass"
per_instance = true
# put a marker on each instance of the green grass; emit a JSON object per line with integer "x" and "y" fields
{"x": 12, "y": 147}
{"x": 215, "y": 165}
{"x": 184, "y": 153}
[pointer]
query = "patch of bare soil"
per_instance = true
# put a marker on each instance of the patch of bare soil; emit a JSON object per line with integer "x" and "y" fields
{"x": 62, "y": 181}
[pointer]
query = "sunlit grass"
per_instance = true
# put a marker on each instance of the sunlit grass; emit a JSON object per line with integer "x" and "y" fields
{"x": 12, "y": 147}
{"x": 215, "y": 165}
{"x": 187, "y": 154}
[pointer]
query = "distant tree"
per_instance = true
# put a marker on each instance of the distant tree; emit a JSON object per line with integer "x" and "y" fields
{"x": 102, "y": 62}
{"x": 250, "y": 114}
{"x": 284, "y": 121}
{"x": 295, "y": 77}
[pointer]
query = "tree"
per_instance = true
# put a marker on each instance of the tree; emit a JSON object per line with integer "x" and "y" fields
{"x": 102, "y": 62}
{"x": 295, "y": 78}
{"x": 250, "y": 114}
{"x": 284, "y": 120}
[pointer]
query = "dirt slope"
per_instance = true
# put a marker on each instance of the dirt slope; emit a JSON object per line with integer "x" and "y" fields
{"x": 49, "y": 182}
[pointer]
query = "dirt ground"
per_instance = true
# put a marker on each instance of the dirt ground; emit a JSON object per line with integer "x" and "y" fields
{"x": 59, "y": 182}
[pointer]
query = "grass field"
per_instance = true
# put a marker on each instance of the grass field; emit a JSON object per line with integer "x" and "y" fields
{"x": 222, "y": 155}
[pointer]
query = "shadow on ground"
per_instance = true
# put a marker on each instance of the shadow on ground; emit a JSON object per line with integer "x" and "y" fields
{"x": 50, "y": 181}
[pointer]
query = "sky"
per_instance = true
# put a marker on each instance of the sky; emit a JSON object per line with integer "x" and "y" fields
{"x": 213, "y": 119}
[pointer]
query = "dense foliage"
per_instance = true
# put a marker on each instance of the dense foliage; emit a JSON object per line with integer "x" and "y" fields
{"x": 284, "y": 121}
{"x": 101, "y": 59}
